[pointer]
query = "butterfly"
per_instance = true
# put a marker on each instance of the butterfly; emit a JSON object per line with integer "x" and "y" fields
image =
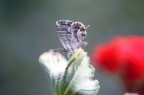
{"x": 71, "y": 35}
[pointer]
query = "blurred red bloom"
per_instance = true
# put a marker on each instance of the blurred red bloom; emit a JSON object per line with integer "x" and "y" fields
{"x": 123, "y": 56}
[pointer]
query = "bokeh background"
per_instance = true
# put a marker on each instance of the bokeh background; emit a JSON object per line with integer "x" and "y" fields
{"x": 27, "y": 29}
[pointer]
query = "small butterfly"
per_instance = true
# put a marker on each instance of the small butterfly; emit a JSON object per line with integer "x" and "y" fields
{"x": 71, "y": 34}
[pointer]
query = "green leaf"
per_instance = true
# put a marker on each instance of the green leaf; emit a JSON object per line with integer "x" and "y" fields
{"x": 73, "y": 77}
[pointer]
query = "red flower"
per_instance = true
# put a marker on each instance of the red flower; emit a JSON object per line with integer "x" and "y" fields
{"x": 123, "y": 56}
{"x": 111, "y": 57}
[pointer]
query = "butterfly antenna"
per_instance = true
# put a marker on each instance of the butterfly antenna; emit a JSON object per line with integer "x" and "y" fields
{"x": 88, "y": 26}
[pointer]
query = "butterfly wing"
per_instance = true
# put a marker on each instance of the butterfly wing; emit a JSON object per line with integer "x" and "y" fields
{"x": 65, "y": 33}
{"x": 71, "y": 35}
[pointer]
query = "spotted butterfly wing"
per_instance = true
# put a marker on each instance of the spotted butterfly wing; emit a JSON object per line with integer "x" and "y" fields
{"x": 71, "y": 35}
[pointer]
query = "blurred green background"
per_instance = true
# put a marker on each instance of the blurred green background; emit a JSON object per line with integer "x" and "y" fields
{"x": 27, "y": 29}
